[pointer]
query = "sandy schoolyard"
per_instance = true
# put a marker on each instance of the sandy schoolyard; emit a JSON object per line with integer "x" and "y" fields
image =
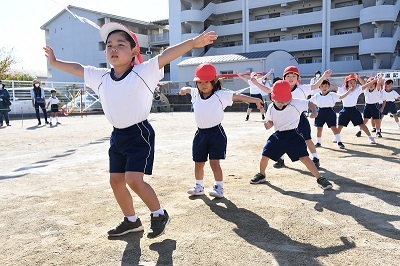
{"x": 57, "y": 205}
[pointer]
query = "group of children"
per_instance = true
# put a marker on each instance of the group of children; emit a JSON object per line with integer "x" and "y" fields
{"x": 127, "y": 88}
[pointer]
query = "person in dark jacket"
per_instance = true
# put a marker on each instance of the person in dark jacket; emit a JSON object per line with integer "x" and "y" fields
{"x": 38, "y": 100}
{"x": 4, "y": 105}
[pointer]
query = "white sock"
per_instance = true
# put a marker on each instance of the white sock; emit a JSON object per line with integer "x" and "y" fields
{"x": 51, "y": 119}
{"x": 337, "y": 137}
{"x": 370, "y": 137}
{"x": 398, "y": 123}
{"x": 57, "y": 119}
{"x": 132, "y": 218}
{"x": 199, "y": 182}
{"x": 319, "y": 140}
{"x": 158, "y": 212}
{"x": 283, "y": 157}
{"x": 315, "y": 155}
{"x": 219, "y": 183}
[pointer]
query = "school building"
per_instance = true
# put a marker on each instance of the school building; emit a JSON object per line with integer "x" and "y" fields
{"x": 254, "y": 35}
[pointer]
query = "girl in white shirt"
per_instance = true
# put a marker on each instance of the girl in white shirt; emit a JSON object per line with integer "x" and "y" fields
{"x": 209, "y": 102}
{"x": 389, "y": 96}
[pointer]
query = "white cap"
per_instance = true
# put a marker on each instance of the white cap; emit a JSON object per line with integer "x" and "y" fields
{"x": 107, "y": 28}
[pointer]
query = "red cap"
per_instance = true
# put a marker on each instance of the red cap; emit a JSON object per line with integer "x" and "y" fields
{"x": 349, "y": 77}
{"x": 370, "y": 79}
{"x": 281, "y": 91}
{"x": 291, "y": 69}
{"x": 107, "y": 28}
{"x": 205, "y": 72}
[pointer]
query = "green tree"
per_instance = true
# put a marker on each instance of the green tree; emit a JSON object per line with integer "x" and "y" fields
{"x": 7, "y": 59}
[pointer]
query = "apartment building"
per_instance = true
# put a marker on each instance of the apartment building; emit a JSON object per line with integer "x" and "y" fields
{"x": 343, "y": 35}
{"x": 73, "y": 40}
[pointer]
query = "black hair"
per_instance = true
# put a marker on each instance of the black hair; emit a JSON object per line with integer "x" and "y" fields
{"x": 389, "y": 81}
{"x": 276, "y": 79}
{"x": 126, "y": 35}
{"x": 317, "y": 72}
{"x": 217, "y": 85}
{"x": 325, "y": 82}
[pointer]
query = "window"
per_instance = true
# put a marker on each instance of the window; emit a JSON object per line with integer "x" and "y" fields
{"x": 295, "y": 37}
{"x": 275, "y": 39}
{"x": 317, "y": 34}
{"x": 295, "y": 12}
{"x": 262, "y": 40}
{"x": 317, "y": 60}
{"x": 344, "y": 57}
{"x": 102, "y": 46}
{"x": 262, "y": 17}
{"x": 305, "y": 60}
{"x": 345, "y": 4}
{"x": 227, "y": 72}
{"x": 345, "y": 31}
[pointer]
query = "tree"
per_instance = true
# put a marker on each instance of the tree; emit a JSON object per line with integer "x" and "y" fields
{"x": 7, "y": 59}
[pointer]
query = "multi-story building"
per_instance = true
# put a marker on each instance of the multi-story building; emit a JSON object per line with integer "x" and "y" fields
{"x": 73, "y": 40}
{"x": 343, "y": 35}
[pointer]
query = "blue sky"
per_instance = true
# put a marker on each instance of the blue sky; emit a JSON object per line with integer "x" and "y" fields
{"x": 22, "y": 19}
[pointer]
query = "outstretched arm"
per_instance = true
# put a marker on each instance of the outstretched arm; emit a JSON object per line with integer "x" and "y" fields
{"x": 248, "y": 99}
{"x": 347, "y": 93}
{"x": 184, "y": 90}
{"x": 241, "y": 76}
{"x": 178, "y": 50}
{"x": 326, "y": 74}
{"x": 69, "y": 67}
{"x": 260, "y": 86}
{"x": 360, "y": 79}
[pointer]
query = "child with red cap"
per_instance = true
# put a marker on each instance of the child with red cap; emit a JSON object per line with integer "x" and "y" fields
{"x": 284, "y": 115}
{"x": 126, "y": 93}
{"x": 292, "y": 75}
{"x": 349, "y": 111}
{"x": 209, "y": 102}
{"x": 373, "y": 104}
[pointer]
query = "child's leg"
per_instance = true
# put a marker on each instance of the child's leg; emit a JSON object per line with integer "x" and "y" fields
{"x": 364, "y": 128}
{"x": 199, "y": 170}
{"x": 373, "y": 123}
{"x": 310, "y": 166}
{"x": 319, "y": 134}
{"x": 217, "y": 171}
{"x": 311, "y": 148}
{"x": 396, "y": 118}
{"x": 263, "y": 164}
{"x": 143, "y": 190}
{"x": 121, "y": 193}
{"x": 339, "y": 128}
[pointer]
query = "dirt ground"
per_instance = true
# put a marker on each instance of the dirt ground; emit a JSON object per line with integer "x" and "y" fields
{"x": 57, "y": 205}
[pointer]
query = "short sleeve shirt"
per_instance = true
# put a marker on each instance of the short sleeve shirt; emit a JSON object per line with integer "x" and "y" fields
{"x": 210, "y": 112}
{"x": 351, "y": 99}
{"x": 127, "y": 101}
{"x": 389, "y": 96}
{"x": 287, "y": 118}
{"x": 327, "y": 100}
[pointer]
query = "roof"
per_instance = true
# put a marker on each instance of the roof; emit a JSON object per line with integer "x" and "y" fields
{"x": 102, "y": 14}
{"x": 226, "y": 58}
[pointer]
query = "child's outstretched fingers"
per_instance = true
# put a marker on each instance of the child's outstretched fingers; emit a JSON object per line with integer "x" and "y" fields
{"x": 260, "y": 104}
{"x": 206, "y": 38}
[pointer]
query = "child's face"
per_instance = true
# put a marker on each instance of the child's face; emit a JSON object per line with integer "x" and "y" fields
{"x": 119, "y": 51}
{"x": 351, "y": 84}
{"x": 53, "y": 94}
{"x": 388, "y": 87}
{"x": 292, "y": 79}
{"x": 280, "y": 105}
{"x": 205, "y": 87}
{"x": 324, "y": 88}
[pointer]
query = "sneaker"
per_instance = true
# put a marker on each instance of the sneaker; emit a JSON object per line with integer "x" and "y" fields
{"x": 51, "y": 124}
{"x": 324, "y": 183}
{"x": 257, "y": 179}
{"x": 8, "y": 125}
{"x": 217, "y": 192}
{"x": 263, "y": 117}
{"x": 372, "y": 140}
{"x": 279, "y": 164}
{"x": 126, "y": 227}
{"x": 39, "y": 123}
{"x": 318, "y": 144}
{"x": 378, "y": 134}
{"x": 58, "y": 123}
{"x": 334, "y": 140}
{"x": 316, "y": 162}
{"x": 47, "y": 122}
{"x": 373, "y": 129}
{"x": 158, "y": 224}
{"x": 198, "y": 190}
{"x": 358, "y": 134}
{"x": 247, "y": 119}
{"x": 341, "y": 145}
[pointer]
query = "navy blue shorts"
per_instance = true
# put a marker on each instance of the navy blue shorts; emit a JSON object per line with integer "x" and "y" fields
{"x": 390, "y": 107}
{"x": 304, "y": 127}
{"x": 54, "y": 108}
{"x": 348, "y": 114}
{"x": 253, "y": 105}
{"x": 372, "y": 111}
{"x": 132, "y": 149}
{"x": 325, "y": 115}
{"x": 290, "y": 142}
{"x": 209, "y": 142}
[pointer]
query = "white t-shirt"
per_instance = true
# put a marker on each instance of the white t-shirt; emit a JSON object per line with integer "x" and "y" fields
{"x": 289, "y": 117}
{"x": 253, "y": 88}
{"x": 210, "y": 112}
{"x": 372, "y": 97}
{"x": 301, "y": 91}
{"x": 52, "y": 100}
{"x": 128, "y": 101}
{"x": 389, "y": 96}
{"x": 327, "y": 100}
{"x": 351, "y": 99}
